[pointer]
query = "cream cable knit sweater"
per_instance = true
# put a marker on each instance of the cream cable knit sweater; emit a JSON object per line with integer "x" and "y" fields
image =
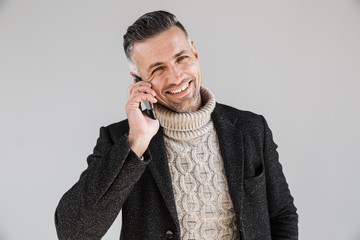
{"x": 203, "y": 203}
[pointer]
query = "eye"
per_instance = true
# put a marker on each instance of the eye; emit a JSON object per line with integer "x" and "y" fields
{"x": 157, "y": 69}
{"x": 182, "y": 58}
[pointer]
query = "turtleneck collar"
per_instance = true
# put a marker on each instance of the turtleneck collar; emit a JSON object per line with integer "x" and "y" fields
{"x": 186, "y": 126}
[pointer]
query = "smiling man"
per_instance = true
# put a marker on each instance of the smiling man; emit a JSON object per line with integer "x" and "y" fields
{"x": 202, "y": 170}
{"x": 170, "y": 63}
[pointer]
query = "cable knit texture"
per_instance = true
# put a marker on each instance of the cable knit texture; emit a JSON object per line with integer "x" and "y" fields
{"x": 203, "y": 203}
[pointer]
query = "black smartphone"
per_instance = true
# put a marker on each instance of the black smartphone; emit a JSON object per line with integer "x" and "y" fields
{"x": 146, "y": 106}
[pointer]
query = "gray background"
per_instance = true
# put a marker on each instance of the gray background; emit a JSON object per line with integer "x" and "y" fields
{"x": 64, "y": 74}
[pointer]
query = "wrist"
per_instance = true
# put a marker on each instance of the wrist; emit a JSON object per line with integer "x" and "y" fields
{"x": 138, "y": 144}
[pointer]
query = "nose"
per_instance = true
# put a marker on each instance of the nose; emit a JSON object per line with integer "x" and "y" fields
{"x": 174, "y": 74}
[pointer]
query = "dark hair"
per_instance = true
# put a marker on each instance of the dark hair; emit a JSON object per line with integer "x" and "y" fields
{"x": 147, "y": 26}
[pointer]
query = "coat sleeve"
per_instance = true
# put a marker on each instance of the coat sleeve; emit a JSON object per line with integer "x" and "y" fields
{"x": 282, "y": 212}
{"x": 89, "y": 208}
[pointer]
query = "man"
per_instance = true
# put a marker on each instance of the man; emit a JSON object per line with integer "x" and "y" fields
{"x": 203, "y": 170}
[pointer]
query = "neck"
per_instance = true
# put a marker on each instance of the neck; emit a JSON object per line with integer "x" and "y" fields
{"x": 188, "y": 125}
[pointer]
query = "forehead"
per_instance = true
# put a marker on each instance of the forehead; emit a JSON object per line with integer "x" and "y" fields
{"x": 161, "y": 47}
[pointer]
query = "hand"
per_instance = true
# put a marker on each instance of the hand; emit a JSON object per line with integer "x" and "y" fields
{"x": 141, "y": 127}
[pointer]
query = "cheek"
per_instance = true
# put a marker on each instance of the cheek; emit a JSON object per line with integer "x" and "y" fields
{"x": 157, "y": 87}
{"x": 192, "y": 68}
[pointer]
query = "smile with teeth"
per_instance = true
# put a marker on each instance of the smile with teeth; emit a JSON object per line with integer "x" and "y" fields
{"x": 180, "y": 90}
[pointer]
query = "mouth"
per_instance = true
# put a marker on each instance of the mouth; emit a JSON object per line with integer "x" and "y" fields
{"x": 180, "y": 90}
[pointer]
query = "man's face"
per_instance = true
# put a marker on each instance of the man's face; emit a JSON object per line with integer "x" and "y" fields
{"x": 171, "y": 65}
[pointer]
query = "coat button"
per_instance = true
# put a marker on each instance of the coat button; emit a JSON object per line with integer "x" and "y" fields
{"x": 169, "y": 234}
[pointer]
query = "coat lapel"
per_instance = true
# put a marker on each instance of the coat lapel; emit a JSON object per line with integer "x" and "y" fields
{"x": 159, "y": 168}
{"x": 231, "y": 147}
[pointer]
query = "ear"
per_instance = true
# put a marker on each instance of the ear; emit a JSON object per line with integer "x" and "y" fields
{"x": 194, "y": 50}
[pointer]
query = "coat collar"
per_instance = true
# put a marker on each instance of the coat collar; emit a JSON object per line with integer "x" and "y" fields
{"x": 231, "y": 147}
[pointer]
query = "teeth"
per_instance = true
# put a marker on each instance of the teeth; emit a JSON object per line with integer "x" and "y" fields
{"x": 180, "y": 90}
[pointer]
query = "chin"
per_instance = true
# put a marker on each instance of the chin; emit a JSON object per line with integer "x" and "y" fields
{"x": 187, "y": 107}
{"x": 190, "y": 103}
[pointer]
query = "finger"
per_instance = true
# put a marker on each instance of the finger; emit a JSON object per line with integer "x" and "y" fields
{"x": 141, "y": 83}
{"x": 144, "y": 89}
{"x": 141, "y": 89}
{"x": 137, "y": 84}
{"x": 143, "y": 96}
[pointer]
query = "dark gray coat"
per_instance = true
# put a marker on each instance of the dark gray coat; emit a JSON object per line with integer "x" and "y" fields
{"x": 117, "y": 179}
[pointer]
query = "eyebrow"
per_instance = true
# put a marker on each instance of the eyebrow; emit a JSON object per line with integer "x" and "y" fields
{"x": 160, "y": 63}
{"x": 179, "y": 54}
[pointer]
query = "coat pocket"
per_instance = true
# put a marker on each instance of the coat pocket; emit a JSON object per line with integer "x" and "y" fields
{"x": 255, "y": 210}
